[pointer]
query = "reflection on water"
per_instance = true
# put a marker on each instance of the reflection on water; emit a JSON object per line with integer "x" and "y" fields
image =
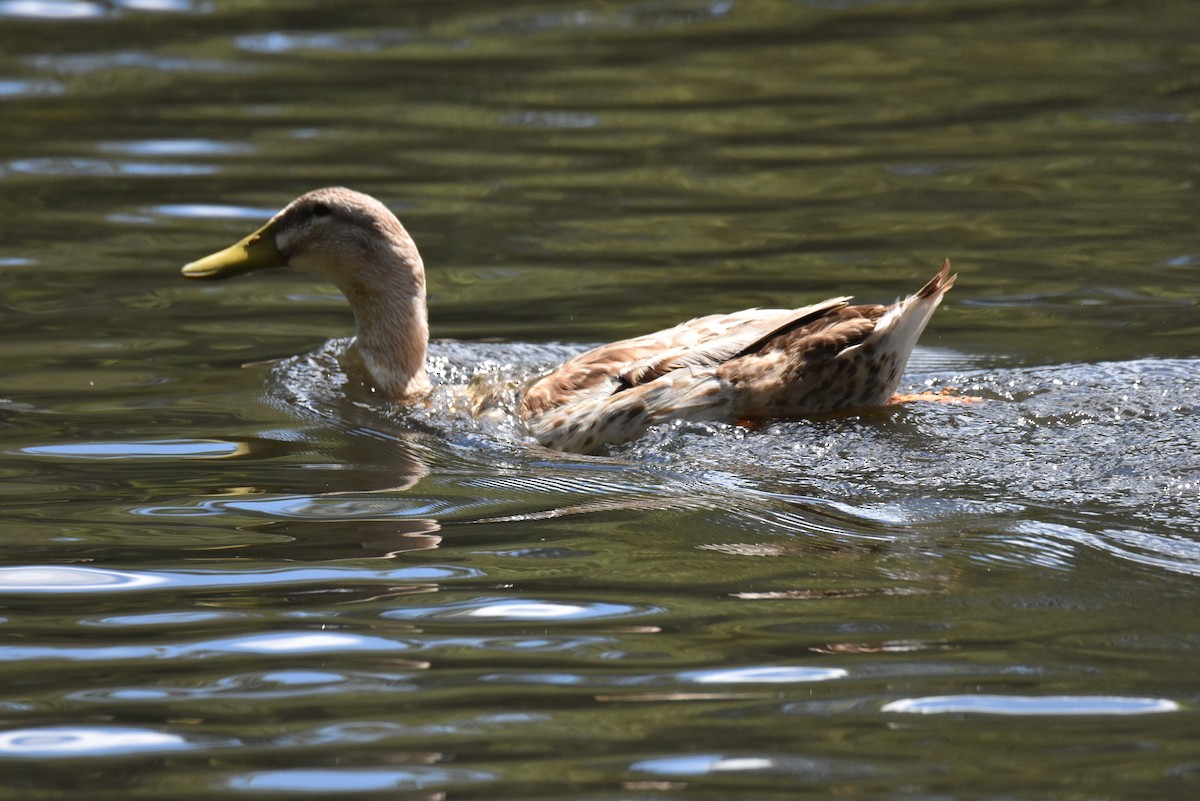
{"x": 60, "y": 741}
{"x": 1045, "y": 705}
{"x": 229, "y": 569}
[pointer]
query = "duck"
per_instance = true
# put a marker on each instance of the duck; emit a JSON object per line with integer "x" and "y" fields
{"x": 744, "y": 367}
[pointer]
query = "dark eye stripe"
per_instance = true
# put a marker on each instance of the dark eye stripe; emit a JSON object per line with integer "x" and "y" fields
{"x": 321, "y": 210}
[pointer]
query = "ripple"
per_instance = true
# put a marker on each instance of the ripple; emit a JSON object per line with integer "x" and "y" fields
{"x": 51, "y": 9}
{"x": 1138, "y": 117}
{"x": 88, "y": 63}
{"x": 305, "y": 507}
{"x": 19, "y": 88}
{"x": 54, "y": 579}
{"x": 500, "y": 609}
{"x": 763, "y": 674}
{"x": 1167, "y": 551}
{"x": 1089, "y": 440}
{"x": 211, "y": 211}
{"x": 59, "y": 10}
{"x": 170, "y": 6}
{"x": 288, "y": 643}
{"x": 920, "y": 170}
{"x": 710, "y": 764}
{"x": 306, "y": 678}
{"x": 700, "y": 764}
{"x": 171, "y": 449}
{"x": 345, "y": 780}
{"x": 305, "y": 642}
{"x": 549, "y": 119}
{"x": 279, "y": 684}
{"x": 279, "y": 42}
{"x": 162, "y": 619}
{"x": 79, "y": 741}
{"x": 100, "y": 168}
{"x": 1049, "y": 705}
{"x": 636, "y": 16}
{"x": 175, "y": 147}
{"x": 72, "y": 579}
{"x": 358, "y": 732}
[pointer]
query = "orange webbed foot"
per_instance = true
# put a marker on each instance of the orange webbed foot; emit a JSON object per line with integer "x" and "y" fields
{"x": 943, "y": 395}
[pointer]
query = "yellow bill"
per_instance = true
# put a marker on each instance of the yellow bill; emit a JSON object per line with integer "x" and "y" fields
{"x": 256, "y": 252}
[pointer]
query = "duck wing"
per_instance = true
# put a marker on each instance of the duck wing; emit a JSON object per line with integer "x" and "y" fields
{"x": 736, "y": 338}
{"x": 704, "y": 342}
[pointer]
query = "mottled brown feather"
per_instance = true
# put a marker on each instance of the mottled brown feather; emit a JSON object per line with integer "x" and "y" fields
{"x": 749, "y": 365}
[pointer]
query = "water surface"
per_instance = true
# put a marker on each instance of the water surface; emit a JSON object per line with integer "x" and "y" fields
{"x": 230, "y": 572}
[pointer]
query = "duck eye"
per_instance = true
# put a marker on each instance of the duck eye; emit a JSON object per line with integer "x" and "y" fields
{"x": 321, "y": 210}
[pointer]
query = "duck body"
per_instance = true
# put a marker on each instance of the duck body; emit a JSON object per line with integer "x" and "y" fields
{"x": 751, "y": 365}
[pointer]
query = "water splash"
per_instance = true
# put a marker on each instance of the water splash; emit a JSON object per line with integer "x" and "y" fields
{"x": 1063, "y": 446}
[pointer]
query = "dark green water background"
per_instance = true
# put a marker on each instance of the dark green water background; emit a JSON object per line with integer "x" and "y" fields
{"x": 226, "y": 578}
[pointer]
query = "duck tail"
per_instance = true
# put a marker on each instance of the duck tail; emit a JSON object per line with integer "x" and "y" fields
{"x": 938, "y": 285}
{"x": 903, "y": 323}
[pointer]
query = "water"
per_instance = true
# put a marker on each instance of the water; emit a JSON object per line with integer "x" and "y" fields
{"x": 227, "y": 571}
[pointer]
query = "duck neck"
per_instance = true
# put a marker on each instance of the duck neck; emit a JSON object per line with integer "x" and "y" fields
{"x": 392, "y": 326}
